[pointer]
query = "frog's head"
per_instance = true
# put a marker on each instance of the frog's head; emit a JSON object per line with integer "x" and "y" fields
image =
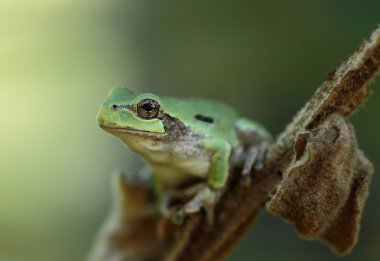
{"x": 125, "y": 113}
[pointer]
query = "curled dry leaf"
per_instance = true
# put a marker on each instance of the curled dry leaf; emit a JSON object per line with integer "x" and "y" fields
{"x": 319, "y": 194}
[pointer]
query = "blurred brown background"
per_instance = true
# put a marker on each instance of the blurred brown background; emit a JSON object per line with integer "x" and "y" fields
{"x": 58, "y": 58}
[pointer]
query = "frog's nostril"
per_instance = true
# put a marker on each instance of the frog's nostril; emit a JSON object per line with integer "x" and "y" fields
{"x": 114, "y": 107}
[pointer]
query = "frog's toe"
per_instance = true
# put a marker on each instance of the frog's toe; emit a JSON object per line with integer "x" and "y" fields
{"x": 250, "y": 160}
{"x": 178, "y": 217}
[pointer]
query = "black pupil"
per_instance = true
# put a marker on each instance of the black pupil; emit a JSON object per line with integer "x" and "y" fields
{"x": 148, "y": 106}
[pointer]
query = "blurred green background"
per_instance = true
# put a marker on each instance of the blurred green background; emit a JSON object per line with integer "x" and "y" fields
{"x": 58, "y": 58}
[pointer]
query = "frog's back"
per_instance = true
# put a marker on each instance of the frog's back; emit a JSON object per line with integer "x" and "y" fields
{"x": 204, "y": 117}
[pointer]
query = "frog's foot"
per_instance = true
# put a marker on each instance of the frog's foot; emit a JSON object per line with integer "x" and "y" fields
{"x": 249, "y": 156}
{"x": 205, "y": 199}
{"x": 253, "y": 146}
{"x": 254, "y": 157}
{"x": 166, "y": 208}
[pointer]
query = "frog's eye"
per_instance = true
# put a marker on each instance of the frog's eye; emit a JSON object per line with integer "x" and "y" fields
{"x": 148, "y": 108}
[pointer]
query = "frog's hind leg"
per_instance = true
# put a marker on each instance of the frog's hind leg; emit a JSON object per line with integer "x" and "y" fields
{"x": 204, "y": 199}
{"x": 193, "y": 198}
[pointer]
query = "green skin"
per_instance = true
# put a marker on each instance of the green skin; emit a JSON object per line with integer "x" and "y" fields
{"x": 188, "y": 138}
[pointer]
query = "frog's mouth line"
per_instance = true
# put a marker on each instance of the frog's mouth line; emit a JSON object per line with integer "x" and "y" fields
{"x": 154, "y": 135}
{"x": 130, "y": 130}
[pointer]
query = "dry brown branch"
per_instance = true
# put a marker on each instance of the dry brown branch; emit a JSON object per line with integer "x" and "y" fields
{"x": 343, "y": 91}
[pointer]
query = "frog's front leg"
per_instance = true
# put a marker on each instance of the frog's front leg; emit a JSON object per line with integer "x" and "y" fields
{"x": 206, "y": 195}
{"x": 219, "y": 164}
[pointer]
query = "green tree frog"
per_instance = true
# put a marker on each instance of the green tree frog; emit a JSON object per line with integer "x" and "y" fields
{"x": 185, "y": 142}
